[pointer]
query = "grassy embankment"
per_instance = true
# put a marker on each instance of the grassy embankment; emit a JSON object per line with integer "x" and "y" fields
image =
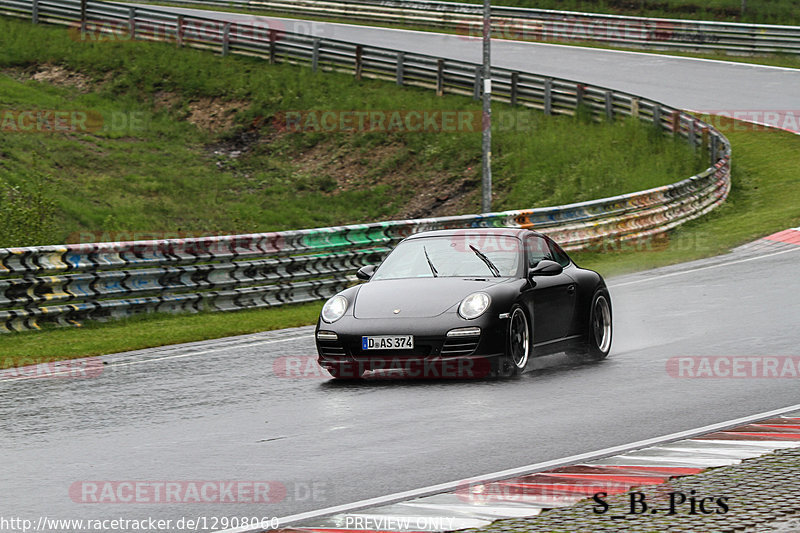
{"x": 174, "y": 172}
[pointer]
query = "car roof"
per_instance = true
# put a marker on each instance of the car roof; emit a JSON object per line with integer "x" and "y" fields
{"x": 509, "y": 232}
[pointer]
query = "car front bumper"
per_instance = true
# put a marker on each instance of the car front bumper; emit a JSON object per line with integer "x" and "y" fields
{"x": 435, "y": 354}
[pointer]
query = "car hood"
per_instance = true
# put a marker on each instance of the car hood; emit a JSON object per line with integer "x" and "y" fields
{"x": 414, "y": 297}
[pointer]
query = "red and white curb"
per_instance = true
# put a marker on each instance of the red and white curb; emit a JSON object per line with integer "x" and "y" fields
{"x": 785, "y": 240}
{"x": 790, "y": 236}
{"x": 479, "y": 503}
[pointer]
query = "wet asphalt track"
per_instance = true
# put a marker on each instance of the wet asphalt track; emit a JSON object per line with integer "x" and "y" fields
{"x": 686, "y": 83}
{"x": 218, "y": 411}
{"x": 224, "y": 414}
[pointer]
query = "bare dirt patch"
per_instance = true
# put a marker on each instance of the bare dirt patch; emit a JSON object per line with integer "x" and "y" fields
{"x": 54, "y": 75}
{"x": 214, "y": 114}
{"x": 435, "y": 193}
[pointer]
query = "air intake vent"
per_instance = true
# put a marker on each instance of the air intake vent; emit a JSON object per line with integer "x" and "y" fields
{"x": 460, "y": 347}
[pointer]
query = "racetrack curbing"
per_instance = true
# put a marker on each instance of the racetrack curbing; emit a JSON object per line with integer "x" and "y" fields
{"x": 732, "y": 480}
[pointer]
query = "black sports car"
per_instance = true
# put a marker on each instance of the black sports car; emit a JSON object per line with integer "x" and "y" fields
{"x": 463, "y": 303}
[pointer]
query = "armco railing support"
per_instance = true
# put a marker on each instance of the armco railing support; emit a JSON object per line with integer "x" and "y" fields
{"x": 226, "y": 39}
{"x": 399, "y": 70}
{"x": 315, "y": 56}
{"x": 179, "y": 31}
{"x": 131, "y": 23}
{"x": 514, "y": 84}
{"x": 548, "y": 96}
{"x": 71, "y": 284}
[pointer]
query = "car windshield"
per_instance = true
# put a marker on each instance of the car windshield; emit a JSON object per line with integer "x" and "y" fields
{"x": 460, "y": 256}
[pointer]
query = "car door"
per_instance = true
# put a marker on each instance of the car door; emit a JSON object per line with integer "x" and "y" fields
{"x": 551, "y": 298}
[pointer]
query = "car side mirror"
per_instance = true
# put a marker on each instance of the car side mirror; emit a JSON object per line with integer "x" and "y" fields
{"x": 365, "y": 273}
{"x": 545, "y": 267}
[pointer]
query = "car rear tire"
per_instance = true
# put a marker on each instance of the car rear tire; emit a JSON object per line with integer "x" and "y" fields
{"x": 600, "y": 328}
{"x": 518, "y": 345}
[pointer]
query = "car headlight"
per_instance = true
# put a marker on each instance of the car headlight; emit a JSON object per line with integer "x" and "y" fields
{"x": 474, "y": 305}
{"x": 334, "y": 309}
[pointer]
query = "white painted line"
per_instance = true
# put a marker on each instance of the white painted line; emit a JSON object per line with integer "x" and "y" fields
{"x": 156, "y": 359}
{"x": 520, "y": 471}
{"x": 699, "y": 269}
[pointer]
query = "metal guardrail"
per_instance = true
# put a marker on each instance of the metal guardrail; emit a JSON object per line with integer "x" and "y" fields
{"x": 70, "y": 284}
{"x": 544, "y": 25}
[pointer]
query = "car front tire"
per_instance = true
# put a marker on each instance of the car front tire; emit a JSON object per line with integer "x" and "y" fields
{"x": 518, "y": 345}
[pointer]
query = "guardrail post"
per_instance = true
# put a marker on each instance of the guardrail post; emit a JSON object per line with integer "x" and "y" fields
{"x": 315, "y": 56}
{"x": 548, "y": 96}
{"x": 657, "y": 116}
{"x": 83, "y": 19}
{"x": 359, "y": 64}
{"x": 35, "y": 11}
{"x": 439, "y": 77}
{"x": 579, "y": 90}
{"x": 714, "y": 150}
{"x": 401, "y": 57}
{"x": 690, "y": 134}
{"x": 635, "y": 107}
{"x": 226, "y": 39}
{"x": 676, "y": 123}
{"x": 476, "y": 90}
{"x": 179, "y": 31}
{"x": 272, "y": 38}
{"x": 704, "y": 137}
{"x": 514, "y": 83}
{"x": 132, "y": 23}
{"x": 609, "y": 105}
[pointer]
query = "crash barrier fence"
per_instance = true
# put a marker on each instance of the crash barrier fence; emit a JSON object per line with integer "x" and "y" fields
{"x": 544, "y": 25}
{"x": 73, "y": 283}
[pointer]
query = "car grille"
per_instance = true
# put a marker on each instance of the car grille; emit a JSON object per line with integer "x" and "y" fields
{"x": 460, "y": 347}
{"x": 331, "y": 349}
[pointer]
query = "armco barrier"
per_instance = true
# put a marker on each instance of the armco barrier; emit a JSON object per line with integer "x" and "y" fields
{"x": 70, "y": 284}
{"x": 544, "y": 25}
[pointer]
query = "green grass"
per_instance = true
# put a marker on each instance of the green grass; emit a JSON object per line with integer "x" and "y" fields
{"x": 163, "y": 175}
{"x": 145, "y": 331}
{"x": 764, "y": 199}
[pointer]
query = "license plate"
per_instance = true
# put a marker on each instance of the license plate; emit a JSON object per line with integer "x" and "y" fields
{"x": 388, "y": 342}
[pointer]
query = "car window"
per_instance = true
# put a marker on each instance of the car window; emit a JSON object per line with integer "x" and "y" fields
{"x": 537, "y": 249}
{"x": 453, "y": 256}
{"x": 559, "y": 255}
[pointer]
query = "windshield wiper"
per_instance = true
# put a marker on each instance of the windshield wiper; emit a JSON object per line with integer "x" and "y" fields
{"x": 492, "y": 267}
{"x": 430, "y": 263}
